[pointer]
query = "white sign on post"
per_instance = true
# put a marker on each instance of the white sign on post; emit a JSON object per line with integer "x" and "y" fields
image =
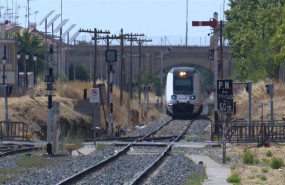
{"x": 94, "y": 95}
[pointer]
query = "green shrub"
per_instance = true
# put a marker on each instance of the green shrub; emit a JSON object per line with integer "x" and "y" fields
{"x": 248, "y": 157}
{"x": 269, "y": 154}
{"x": 189, "y": 139}
{"x": 100, "y": 146}
{"x": 228, "y": 158}
{"x": 193, "y": 179}
{"x": 264, "y": 170}
{"x": 251, "y": 177}
{"x": 72, "y": 135}
{"x": 234, "y": 178}
{"x": 233, "y": 167}
{"x": 276, "y": 163}
{"x": 32, "y": 160}
{"x": 265, "y": 161}
{"x": 256, "y": 160}
{"x": 264, "y": 178}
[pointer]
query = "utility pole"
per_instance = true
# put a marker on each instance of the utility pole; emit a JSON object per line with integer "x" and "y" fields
{"x": 186, "y": 38}
{"x": 141, "y": 41}
{"x": 28, "y": 14}
{"x": 109, "y": 125}
{"x": 132, "y": 38}
{"x": 96, "y": 108}
{"x": 122, "y": 37}
{"x": 95, "y": 38}
{"x": 122, "y": 76}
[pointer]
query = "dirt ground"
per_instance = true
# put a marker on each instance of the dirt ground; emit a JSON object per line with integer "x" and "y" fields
{"x": 255, "y": 174}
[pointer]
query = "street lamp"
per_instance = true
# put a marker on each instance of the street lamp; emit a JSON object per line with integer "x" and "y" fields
{"x": 26, "y": 74}
{"x": 18, "y": 57}
{"x": 35, "y": 57}
{"x": 4, "y": 61}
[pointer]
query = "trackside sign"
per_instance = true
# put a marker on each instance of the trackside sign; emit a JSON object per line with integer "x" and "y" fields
{"x": 94, "y": 95}
{"x": 225, "y": 96}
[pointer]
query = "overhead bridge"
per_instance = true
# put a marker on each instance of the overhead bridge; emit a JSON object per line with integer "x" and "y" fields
{"x": 191, "y": 56}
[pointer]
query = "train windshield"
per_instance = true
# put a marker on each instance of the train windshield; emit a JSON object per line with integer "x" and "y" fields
{"x": 183, "y": 86}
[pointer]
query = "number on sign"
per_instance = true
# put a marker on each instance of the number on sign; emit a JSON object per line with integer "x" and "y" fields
{"x": 223, "y": 107}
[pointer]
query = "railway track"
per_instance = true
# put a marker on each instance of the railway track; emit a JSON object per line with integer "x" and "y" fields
{"x": 12, "y": 149}
{"x": 128, "y": 154}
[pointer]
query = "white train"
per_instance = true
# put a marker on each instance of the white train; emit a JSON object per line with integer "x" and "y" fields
{"x": 184, "y": 92}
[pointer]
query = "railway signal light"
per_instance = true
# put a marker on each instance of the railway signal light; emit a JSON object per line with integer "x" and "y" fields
{"x": 111, "y": 55}
{"x": 270, "y": 89}
{"x": 9, "y": 90}
{"x": 248, "y": 87}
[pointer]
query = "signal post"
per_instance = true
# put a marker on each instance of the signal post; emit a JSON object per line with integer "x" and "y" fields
{"x": 213, "y": 48}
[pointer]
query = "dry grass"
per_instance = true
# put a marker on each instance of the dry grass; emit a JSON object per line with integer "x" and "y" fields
{"x": 121, "y": 112}
{"x": 33, "y": 111}
{"x": 260, "y": 99}
{"x": 72, "y": 90}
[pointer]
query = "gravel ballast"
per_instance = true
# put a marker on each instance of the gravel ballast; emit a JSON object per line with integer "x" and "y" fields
{"x": 175, "y": 170}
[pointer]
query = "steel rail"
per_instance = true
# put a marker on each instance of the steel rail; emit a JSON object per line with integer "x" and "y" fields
{"x": 116, "y": 139}
{"x": 97, "y": 166}
{"x": 18, "y": 151}
{"x": 148, "y": 135}
{"x": 151, "y": 167}
{"x": 94, "y": 167}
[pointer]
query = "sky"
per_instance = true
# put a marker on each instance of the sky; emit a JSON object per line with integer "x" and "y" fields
{"x": 163, "y": 21}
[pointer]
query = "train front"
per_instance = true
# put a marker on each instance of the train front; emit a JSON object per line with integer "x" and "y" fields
{"x": 183, "y": 92}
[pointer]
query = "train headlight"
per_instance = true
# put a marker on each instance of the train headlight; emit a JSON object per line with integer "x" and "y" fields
{"x": 182, "y": 74}
{"x": 192, "y": 97}
{"x": 173, "y": 97}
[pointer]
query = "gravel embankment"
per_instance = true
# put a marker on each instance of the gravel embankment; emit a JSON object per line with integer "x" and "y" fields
{"x": 58, "y": 169}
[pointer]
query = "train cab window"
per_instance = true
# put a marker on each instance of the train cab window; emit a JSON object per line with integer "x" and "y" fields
{"x": 183, "y": 85}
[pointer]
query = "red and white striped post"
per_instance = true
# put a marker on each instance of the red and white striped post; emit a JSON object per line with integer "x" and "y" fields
{"x": 213, "y": 23}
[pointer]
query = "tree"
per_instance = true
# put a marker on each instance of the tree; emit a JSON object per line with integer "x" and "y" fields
{"x": 250, "y": 29}
{"x": 30, "y": 44}
{"x": 81, "y": 72}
